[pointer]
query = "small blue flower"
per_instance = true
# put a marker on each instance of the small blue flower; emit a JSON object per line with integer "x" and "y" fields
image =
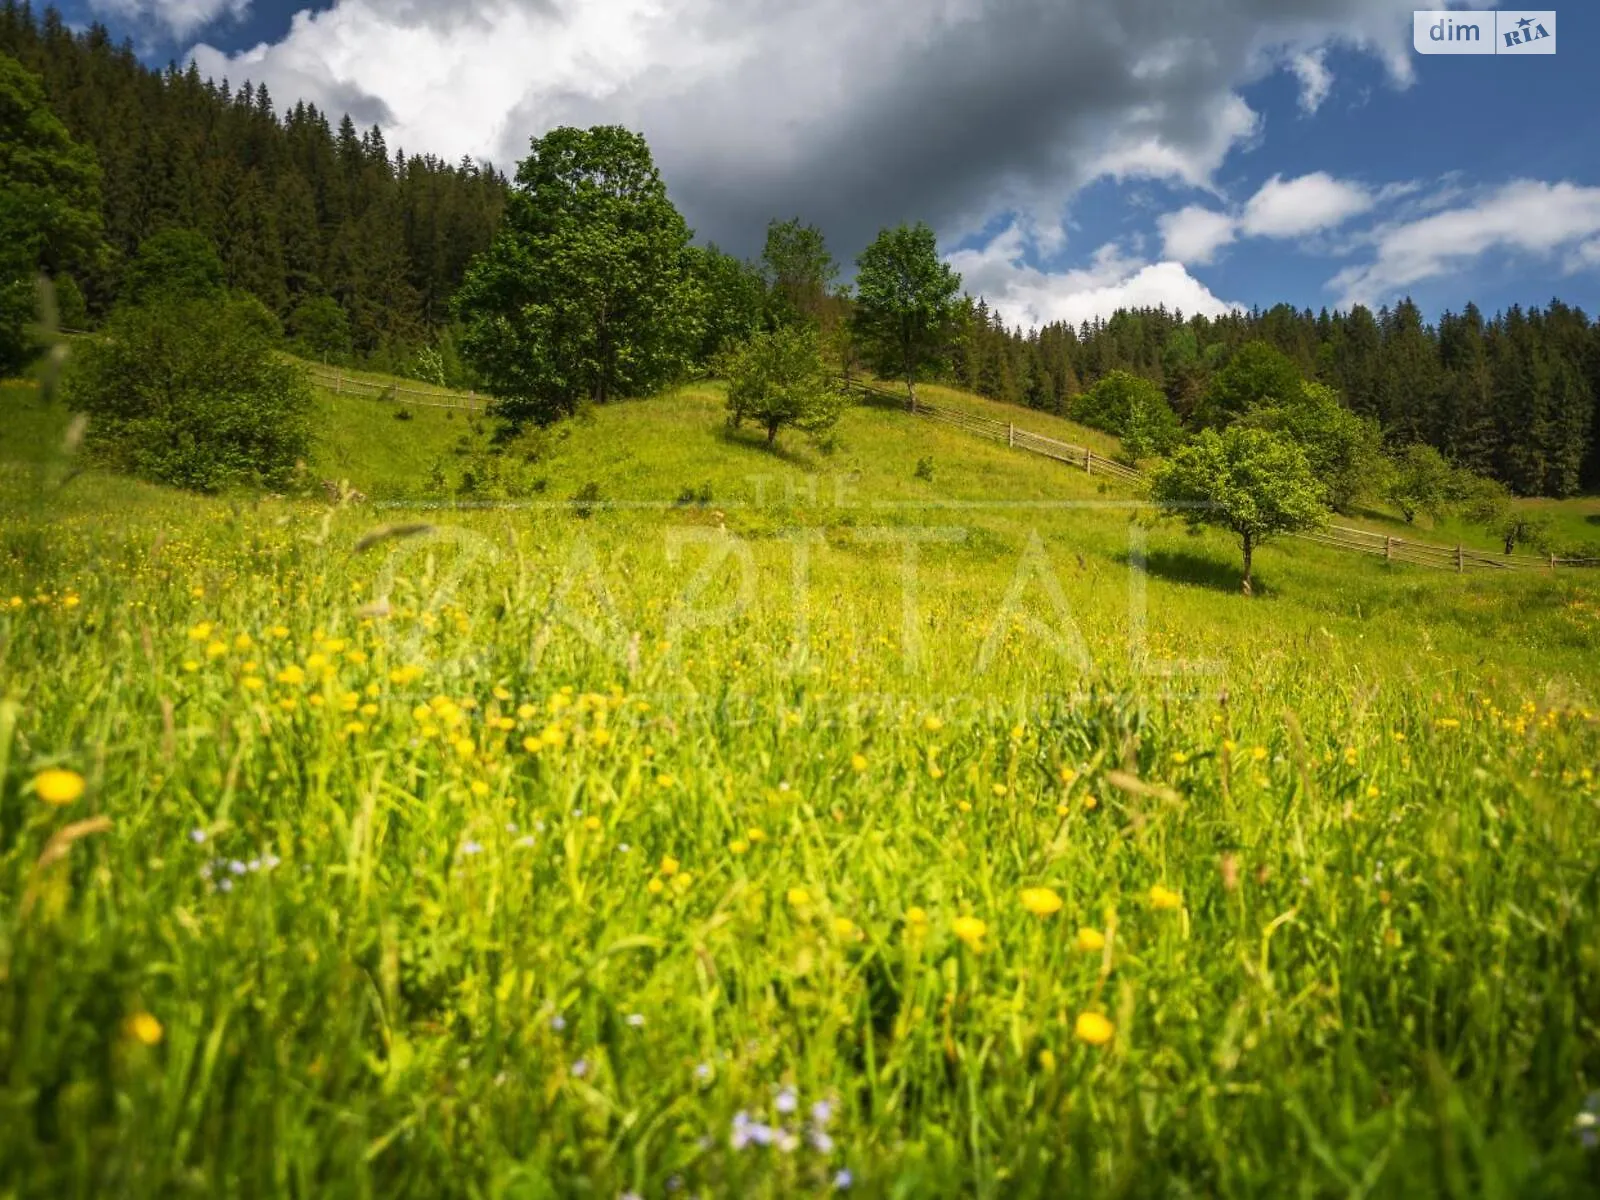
{"x": 197, "y": 836}
{"x": 580, "y": 1068}
{"x": 786, "y": 1101}
{"x": 842, "y": 1179}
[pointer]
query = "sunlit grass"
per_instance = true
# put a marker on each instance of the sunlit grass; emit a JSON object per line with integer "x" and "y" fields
{"x": 520, "y": 857}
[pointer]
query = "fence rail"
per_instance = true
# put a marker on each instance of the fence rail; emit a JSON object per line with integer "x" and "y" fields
{"x": 336, "y": 381}
{"x": 1339, "y": 537}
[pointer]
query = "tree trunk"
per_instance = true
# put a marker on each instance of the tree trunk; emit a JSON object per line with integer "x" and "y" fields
{"x": 1249, "y": 552}
{"x": 911, "y": 383}
{"x": 772, "y": 434}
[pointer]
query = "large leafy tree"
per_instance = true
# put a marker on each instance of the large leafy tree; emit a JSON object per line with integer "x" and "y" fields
{"x": 1419, "y": 481}
{"x": 778, "y": 378}
{"x": 49, "y": 203}
{"x": 588, "y": 292}
{"x": 906, "y": 302}
{"x": 1253, "y": 482}
{"x": 799, "y": 271}
{"x": 1133, "y": 408}
{"x": 1257, "y": 376}
{"x": 174, "y": 264}
{"x": 1345, "y": 450}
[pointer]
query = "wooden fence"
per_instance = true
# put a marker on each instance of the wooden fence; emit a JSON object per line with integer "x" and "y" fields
{"x": 336, "y": 381}
{"x": 1340, "y": 537}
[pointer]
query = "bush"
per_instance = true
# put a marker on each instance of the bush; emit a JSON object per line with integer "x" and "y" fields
{"x": 192, "y": 393}
{"x": 925, "y": 468}
{"x": 586, "y": 499}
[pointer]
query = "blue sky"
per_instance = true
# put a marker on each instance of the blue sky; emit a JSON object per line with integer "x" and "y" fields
{"x": 1073, "y": 154}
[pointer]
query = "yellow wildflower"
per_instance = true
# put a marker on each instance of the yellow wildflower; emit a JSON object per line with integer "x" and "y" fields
{"x": 1093, "y": 1029}
{"x": 1041, "y": 901}
{"x": 798, "y": 897}
{"x": 858, "y": 763}
{"x": 58, "y": 786}
{"x": 144, "y": 1029}
{"x": 1164, "y": 898}
{"x": 970, "y": 930}
{"x": 669, "y": 865}
{"x": 1090, "y": 941}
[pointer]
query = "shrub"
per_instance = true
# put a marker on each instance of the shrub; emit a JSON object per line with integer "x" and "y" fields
{"x": 1132, "y": 408}
{"x": 925, "y": 468}
{"x": 586, "y": 499}
{"x": 192, "y": 393}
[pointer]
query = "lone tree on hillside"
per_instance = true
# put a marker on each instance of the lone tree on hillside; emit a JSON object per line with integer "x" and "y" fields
{"x": 588, "y": 292}
{"x": 49, "y": 204}
{"x": 778, "y": 378}
{"x": 1419, "y": 481}
{"x": 1251, "y": 481}
{"x": 905, "y": 301}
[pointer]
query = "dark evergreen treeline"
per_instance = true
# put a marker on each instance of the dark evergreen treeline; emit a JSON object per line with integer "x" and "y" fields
{"x": 297, "y": 206}
{"x": 1514, "y": 397}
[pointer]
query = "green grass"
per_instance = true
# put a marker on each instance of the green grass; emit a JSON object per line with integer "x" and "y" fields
{"x": 1371, "y": 788}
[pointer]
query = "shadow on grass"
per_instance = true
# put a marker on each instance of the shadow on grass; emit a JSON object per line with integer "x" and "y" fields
{"x": 1197, "y": 570}
{"x": 756, "y": 440}
{"x": 1593, "y": 519}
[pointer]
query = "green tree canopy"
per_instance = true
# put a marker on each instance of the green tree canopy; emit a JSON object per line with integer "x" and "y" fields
{"x": 49, "y": 203}
{"x": 1252, "y": 482}
{"x": 734, "y": 298}
{"x": 191, "y": 392}
{"x": 779, "y": 379}
{"x": 1257, "y": 376}
{"x": 175, "y": 264}
{"x": 1345, "y": 450}
{"x": 587, "y": 292}
{"x": 1419, "y": 480}
{"x": 906, "y": 306}
{"x": 1134, "y": 409}
{"x": 318, "y": 327}
{"x": 799, "y": 271}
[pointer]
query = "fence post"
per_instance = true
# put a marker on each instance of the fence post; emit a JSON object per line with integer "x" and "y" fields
{"x": 1388, "y": 548}
{"x": 1088, "y": 461}
{"x": 1011, "y": 436}
{"x": 338, "y": 380}
{"x": 1552, "y": 560}
{"x": 1460, "y": 562}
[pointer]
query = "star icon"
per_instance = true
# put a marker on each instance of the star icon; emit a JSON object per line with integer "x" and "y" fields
{"x": 1525, "y": 22}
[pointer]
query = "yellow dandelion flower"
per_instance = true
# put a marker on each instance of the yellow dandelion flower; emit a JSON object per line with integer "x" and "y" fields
{"x": 654, "y": 887}
{"x": 1163, "y": 898}
{"x": 253, "y": 683}
{"x": 858, "y": 763}
{"x": 846, "y": 928}
{"x": 738, "y": 846}
{"x": 916, "y": 915}
{"x": 1047, "y": 1061}
{"x": 464, "y": 748}
{"x": 190, "y": 665}
{"x": 201, "y": 632}
{"x": 682, "y": 883}
{"x": 1373, "y": 792}
{"x": 501, "y": 694}
{"x": 600, "y": 738}
{"x": 669, "y": 865}
{"x": 1090, "y": 803}
{"x": 1259, "y": 753}
{"x": 970, "y": 930}
{"x": 145, "y": 1029}
{"x": 756, "y": 836}
{"x": 1090, "y": 941}
{"x": 1179, "y": 758}
{"x": 1093, "y": 1029}
{"x": 480, "y": 789}
{"x": 1066, "y": 775}
{"x": 932, "y": 723}
{"x": 58, "y": 786}
{"x": 798, "y": 897}
{"x": 592, "y": 824}
{"x": 1000, "y": 789}
{"x": 1041, "y": 901}
{"x": 291, "y": 676}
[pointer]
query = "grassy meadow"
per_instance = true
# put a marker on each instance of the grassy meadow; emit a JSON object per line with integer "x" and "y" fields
{"x": 906, "y": 817}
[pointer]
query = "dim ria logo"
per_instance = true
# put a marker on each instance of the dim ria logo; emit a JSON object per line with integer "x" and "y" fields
{"x": 1446, "y": 31}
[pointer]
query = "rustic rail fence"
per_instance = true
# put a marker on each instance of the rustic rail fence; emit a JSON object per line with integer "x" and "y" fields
{"x": 1340, "y": 537}
{"x": 335, "y": 380}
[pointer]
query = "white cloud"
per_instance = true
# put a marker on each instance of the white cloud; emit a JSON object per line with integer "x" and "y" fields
{"x": 854, "y": 116}
{"x": 1195, "y": 234}
{"x": 1525, "y": 216}
{"x": 1030, "y": 296}
{"x": 181, "y": 18}
{"x": 1296, "y": 207}
{"x": 1280, "y": 209}
{"x": 1316, "y": 81}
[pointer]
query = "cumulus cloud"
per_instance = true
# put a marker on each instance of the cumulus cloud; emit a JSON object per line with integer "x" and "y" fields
{"x": 1281, "y": 208}
{"x": 852, "y": 115}
{"x": 1526, "y": 216}
{"x": 1195, "y": 234}
{"x": 180, "y": 18}
{"x": 1295, "y": 207}
{"x": 1029, "y": 296}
